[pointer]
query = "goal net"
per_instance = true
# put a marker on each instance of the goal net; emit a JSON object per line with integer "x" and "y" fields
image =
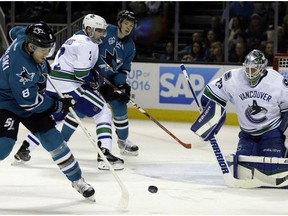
{"x": 280, "y": 63}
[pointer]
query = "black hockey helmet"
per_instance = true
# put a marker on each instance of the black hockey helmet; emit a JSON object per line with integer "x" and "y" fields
{"x": 40, "y": 35}
{"x": 129, "y": 15}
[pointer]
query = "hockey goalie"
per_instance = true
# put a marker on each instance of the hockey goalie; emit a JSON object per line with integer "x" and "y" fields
{"x": 260, "y": 98}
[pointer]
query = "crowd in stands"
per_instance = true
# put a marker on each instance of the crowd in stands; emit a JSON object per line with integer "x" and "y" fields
{"x": 250, "y": 27}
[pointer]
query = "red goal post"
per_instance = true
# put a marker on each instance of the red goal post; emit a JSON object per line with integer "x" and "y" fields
{"x": 280, "y": 63}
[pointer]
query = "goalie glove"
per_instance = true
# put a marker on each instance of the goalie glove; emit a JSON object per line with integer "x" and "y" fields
{"x": 209, "y": 121}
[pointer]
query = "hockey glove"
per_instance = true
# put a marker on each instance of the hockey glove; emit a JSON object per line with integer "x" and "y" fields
{"x": 125, "y": 92}
{"x": 92, "y": 85}
{"x": 107, "y": 92}
{"x": 92, "y": 80}
{"x": 41, "y": 87}
{"x": 63, "y": 104}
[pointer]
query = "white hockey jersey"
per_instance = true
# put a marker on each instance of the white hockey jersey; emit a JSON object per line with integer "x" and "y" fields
{"x": 258, "y": 108}
{"x": 78, "y": 53}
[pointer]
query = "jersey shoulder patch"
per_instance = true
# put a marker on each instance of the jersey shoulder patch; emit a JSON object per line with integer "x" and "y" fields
{"x": 285, "y": 82}
{"x": 227, "y": 75}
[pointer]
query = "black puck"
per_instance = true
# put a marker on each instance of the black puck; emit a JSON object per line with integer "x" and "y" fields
{"x": 152, "y": 189}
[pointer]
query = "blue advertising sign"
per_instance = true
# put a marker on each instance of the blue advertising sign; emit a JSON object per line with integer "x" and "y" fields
{"x": 173, "y": 88}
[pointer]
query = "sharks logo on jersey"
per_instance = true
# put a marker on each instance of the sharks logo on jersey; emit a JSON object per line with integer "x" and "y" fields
{"x": 255, "y": 113}
{"x": 111, "y": 40}
{"x": 111, "y": 60}
{"x": 25, "y": 76}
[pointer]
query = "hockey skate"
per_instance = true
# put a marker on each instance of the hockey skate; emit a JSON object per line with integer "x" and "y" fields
{"x": 84, "y": 188}
{"x": 117, "y": 163}
{"x": 22, "y": 155}
{"x": 127, "y": 147}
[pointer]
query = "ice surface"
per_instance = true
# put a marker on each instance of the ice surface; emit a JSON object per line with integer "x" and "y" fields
{"x": 189, "y": 181}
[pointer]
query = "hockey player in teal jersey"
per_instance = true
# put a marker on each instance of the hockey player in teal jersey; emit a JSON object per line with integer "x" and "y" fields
{"x": 72, "y": 72}
{"x": 116, "y": 54}
{"x": 22, "y": 73}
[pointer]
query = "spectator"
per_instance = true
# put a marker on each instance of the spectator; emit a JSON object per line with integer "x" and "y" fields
{"x": 168, "y": 55}
{"x": 282, "y": 40}
{"x": 254, "y": 32}
{"x": 216, "y": 26}
{"x": 196, "y": 54}
{"x": 238, "y": 37}
{"x": 267, "y": 14}
{"x": 234, "y": 28}
{"x": 152, "y": 25}
{"x": 238, "y": 53}
{"x": 285, "y": 25}
{"x": 241, "y": 9}
{"x": 209, "y": 39}
{"x": 268, "y": 51}
{"x": 196, "y": 37}
{"x": 217, "y": 52}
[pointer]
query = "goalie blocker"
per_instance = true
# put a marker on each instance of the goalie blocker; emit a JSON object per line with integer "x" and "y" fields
{"x": 209, "y": 121}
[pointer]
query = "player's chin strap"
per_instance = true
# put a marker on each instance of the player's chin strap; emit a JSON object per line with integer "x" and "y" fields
{"x": 222, "y": 162}
{"x": 123, "y": 204}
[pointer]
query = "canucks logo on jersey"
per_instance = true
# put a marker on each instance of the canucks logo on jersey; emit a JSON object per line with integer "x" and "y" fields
{"x": 25, "y": 76}
{"x": 255, "y": 113}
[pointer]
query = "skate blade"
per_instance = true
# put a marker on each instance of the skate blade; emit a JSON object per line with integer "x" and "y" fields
{"x": 102, "y": 166}
{"x": 17, "y": 162}
{"x": 128, "y": 153}
{"x": 91, "y": 198}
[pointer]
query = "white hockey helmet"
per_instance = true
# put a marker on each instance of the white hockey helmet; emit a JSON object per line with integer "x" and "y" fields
{"x": 94, "y": 21}
{"x": 255, "y": 65}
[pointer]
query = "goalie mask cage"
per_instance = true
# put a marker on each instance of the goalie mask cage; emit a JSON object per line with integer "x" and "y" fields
{"x": 280, "y": 63}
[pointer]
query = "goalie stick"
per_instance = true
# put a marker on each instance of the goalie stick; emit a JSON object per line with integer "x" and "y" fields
{"x": 230, "y": 181}
{"x": 123, "y": 203}
{"x": 185, "y": 145}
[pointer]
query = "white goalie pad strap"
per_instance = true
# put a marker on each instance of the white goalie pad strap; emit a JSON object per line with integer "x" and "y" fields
{"x": 210, "y": 120}
{"x": 260, "y": 159}
{"x": 257, "y": 159}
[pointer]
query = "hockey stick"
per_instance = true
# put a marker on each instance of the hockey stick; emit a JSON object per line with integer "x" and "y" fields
{"x": 123, "y": 203}
{"x": 185, "y": 145}
{"x": 227, "y": 175}
{"x": 184, "y": 71}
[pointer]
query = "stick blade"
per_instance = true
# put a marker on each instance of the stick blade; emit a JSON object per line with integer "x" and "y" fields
{"x": 124, "y": 201}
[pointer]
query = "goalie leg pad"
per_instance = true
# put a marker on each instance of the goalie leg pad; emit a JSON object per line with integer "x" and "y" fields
{"x": 209, "y": 121}
{"x": 270, "y": 166}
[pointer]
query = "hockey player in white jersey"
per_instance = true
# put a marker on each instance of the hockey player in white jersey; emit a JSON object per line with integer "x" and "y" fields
{"x": 260, "y": 97}
{"x": 72, "y": 72}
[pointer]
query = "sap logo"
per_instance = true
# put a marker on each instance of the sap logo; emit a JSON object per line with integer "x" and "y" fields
{"x": 173, "y": 85}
